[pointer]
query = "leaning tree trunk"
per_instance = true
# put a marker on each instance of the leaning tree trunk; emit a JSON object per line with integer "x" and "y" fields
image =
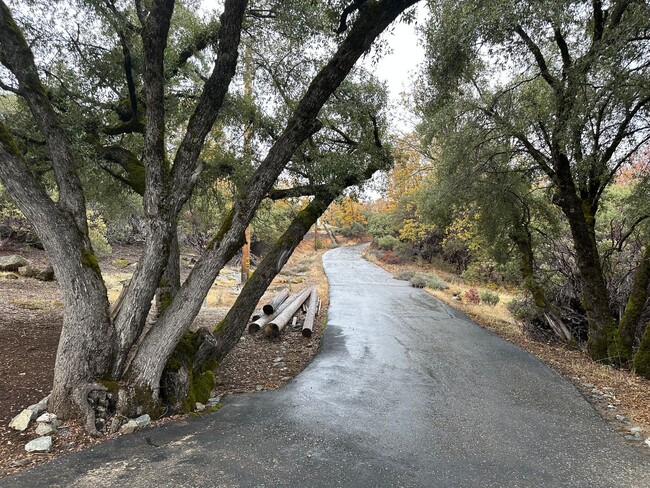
{"x": 630, "y": 322}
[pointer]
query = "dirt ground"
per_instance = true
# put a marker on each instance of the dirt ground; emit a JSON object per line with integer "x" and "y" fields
{"x": 612, "y": 391}
{"x": 31, "y": 320}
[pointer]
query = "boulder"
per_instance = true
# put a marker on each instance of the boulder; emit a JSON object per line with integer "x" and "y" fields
{"x": 27, "y": 271}
{"x": 46, "y": 418}
{"x": 40, "y": 407}
{"x": 12, "y": 263}
{"x": 40, "y": 444}
{"x": 21, "y": 421}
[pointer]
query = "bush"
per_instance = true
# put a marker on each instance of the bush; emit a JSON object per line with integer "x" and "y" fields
{"x": 355, "y": 229}
{"x": 523, "y": 310}
{"x": 472, "y": 296}
{"x": 381, "y": 224}
{"x": 429, "y": 281}
{"x": 405, "y": 274}
{"x": 389, "y": 242}
{"x": 97, "y": 233}
{"x": 489, "y": 297}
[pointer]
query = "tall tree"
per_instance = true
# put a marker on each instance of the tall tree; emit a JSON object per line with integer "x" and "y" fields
{"x": 565, "y": 83}
{"x": 93, "y": 347}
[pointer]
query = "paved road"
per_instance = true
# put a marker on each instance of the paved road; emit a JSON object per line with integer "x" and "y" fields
{"x": 405, "y": 392}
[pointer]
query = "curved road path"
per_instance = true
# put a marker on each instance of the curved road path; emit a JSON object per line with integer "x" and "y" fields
{"x": 405, "y": 392}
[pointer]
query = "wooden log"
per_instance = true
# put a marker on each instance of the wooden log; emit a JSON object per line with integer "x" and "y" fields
{"x": 312, "y": 308}
{"x": 257, "y": 314}
{"x": 275, "y": 326}
{"x": 275, "y": 302}
{"x": 260, "y": 322}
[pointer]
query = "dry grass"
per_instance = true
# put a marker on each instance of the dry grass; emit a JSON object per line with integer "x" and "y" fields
{"x": 631, "y": 392}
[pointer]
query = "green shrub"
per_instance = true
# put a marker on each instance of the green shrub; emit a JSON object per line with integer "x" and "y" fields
{"x": 428, "y": 280}
{"x": 389, "y": 242}
{"x": 355, "y": 229}
{"x": 418, "y": 281}
{"x": 405, "y": 274}
{"x": 489, "y": 297}
{"x": 381, "y": 224}
{"x": 524, "y": 310}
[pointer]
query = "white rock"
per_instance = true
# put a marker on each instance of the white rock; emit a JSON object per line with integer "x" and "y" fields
{"x": 647, "y": 442}
{"x": 21, "y": 421}
{"x": 40, "y": 444}
{"x": 46, "y": 418}
{"x": 129, "y": 427}
{"x": 199, "y": 407}
{"x": 45, "y": 429}
{"x": 622, "y": 418}
{"x": 636, "y": 430}
{"x": 143, "y": 421}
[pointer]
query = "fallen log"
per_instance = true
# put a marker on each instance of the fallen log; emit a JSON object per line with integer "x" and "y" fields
{"x": 275, "y": 326}
{"x": 312, "y": 308}
{"x": 275, "y": 302}
{"x": 260, "y": 322}
{"x": 257, "y": 314}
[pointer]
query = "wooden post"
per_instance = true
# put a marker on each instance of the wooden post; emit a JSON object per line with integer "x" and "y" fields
{"x": 246, "y": 257}
{"x": 316, "y": 235}
{"x": 312, "y": 308}
{"x": 260, "y": 322}
{"x": 275, "y": 326}
{"x": 275, "y": 302}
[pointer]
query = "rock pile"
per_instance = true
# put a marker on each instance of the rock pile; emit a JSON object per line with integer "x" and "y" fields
{"x": 18, "y": 264}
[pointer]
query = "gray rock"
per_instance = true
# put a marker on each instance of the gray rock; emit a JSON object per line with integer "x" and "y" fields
{"x": 46, "y": 274}
{"x": 19, "y": 463}
{"x": 279, "y": 365}
{"x": 587, "y": 385}
{"x": 12, "y": 263}
{"x": 40, "y": 444}
{"x": 622, "y": 418}
{"x": 199, "y": 407}
{"x": 47, "y": 417}
{"x": 45, "y": 429}
{"x": 21, "y": 421}
{"x": 214, "y": 400}
{"x": 636, "y": 430}
{"x": 40, "y": 407}
{"x": 647, "y": 442}
{"x": 631, "y": 438}
{"x": 259, "y": 387}
{"x": 143, "y": 421}
{"x": 129, "y": 427}
{"x": 11, "y": 276}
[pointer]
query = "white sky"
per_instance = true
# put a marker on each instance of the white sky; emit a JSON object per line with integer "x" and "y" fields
{"x": 399, "y": 67}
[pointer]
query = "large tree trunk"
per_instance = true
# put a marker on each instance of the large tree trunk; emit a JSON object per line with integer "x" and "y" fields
{"x": 581, "y": 218}
{"x": 146, "y": 369}
{"x": 630, "y": 322}
{"x": 642, "y": 356}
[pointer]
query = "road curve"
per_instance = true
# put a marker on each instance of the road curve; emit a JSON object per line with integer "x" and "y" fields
{"x": 405, "y": 392}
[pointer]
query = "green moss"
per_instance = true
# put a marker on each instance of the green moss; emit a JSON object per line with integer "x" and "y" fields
{"x": 121, "y": 263}
{"x": 143, "y": 397}
{"x": 8, "y": 142}
{"x": 225, "y": 227}
{"x": 89, "y": 260}
{"x": 642, "y": 356}
{"x": 113, "y": 386}
{"x": 218, "y": 327}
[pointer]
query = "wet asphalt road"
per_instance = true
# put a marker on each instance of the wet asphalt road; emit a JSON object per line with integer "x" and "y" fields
{"x": 405, "y": 392}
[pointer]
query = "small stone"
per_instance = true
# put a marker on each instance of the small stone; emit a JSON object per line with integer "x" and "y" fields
{"x": 19, "y": 463}
{"x": 21, "y": 421}
{"x": 56, "y": 423}
{"x": 277, "y": 360}
{"x": 46, "y": 417}
{"x": 259, "y": 387}
{"x": 636, "y": 430}
{"x": 40, "y": 444}
{"x": 279, "y": 365}
{"x": 143, "y": 420}
{"x": 631, "y": 438}
{"x": 285, "y": 378}
{"x": 45, "y": 429}
{"x": 647, "y": 442}
{"x": 199, "y": 407}
{"x": 214, "y": 400}
{"x": 622, "y": 418}
{"x": 587, "y": 385}
{"x": 129, "y": 427}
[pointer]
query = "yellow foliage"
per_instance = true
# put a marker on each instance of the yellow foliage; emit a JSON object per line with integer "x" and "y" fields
{"x": 346, "y": 212}
{"x": 414, "y": 231}
{"x": 409, "y": 172}
{"x": 464, "y": 230}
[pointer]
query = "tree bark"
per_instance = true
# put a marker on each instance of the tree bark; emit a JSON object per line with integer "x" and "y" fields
{"x": 146, "y": 369}
{"x": 642, "y": 356}
{"x": 630, "y": 322}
